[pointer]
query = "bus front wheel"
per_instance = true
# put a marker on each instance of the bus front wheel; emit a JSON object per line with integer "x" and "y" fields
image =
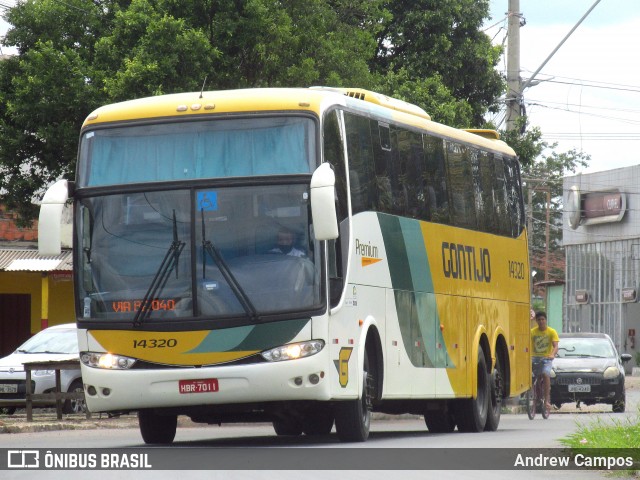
{"x": 157, "y": 428}
{"x": 353, "y": 417}
{"x": 471, "y": 414}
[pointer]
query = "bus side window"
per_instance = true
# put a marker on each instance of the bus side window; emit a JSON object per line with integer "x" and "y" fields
{"x": 516, "y": 208}
{"x": 461, "y": 189}
{"x": 360, "y": 153}
{"x": 435, "y": 179}
{"x": 501, "y": 203}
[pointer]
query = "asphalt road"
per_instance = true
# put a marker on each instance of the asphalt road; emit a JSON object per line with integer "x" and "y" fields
{"x": 388, "y": 433}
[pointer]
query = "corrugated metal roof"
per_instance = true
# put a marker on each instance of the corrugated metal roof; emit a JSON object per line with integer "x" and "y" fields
{"x": 14, "y": 260}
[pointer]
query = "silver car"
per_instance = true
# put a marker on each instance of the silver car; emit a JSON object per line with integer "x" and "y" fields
{"x": 59, "y": 342}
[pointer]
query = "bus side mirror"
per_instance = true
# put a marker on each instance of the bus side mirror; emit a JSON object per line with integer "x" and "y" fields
{"x": 50, "y": 219}
{"x": 323, "y": 203}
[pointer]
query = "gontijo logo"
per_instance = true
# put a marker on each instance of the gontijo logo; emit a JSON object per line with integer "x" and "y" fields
{"x": 368, "y": 253}
{"x": 465, "y": 262}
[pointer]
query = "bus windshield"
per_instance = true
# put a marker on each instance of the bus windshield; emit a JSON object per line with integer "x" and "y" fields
{"x": 226, "y": 252}
{"x": 237, "y": 147}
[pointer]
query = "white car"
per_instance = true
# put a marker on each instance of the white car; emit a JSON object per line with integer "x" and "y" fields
{"x": 59, "y": 342}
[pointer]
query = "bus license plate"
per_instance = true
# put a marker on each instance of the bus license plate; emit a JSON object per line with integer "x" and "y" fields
{"x": 205, "y": 385}
{"x": 580, "y": 388}
{"x": 8, "y": 388}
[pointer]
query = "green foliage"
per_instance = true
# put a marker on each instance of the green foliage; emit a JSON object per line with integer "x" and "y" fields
{"x": 79, "y": 54}
{"x": 436, "y": 41}
{"x": 430, "y": 93}
{"x": 148, "y": 52}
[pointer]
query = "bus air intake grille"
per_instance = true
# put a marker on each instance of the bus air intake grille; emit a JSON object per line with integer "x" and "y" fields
{"x": 358, "y": 95}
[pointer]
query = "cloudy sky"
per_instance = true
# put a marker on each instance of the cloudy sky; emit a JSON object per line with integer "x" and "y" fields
{"x": 590, "y": 99}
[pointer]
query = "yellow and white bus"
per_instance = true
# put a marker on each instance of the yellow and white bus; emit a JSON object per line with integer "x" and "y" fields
{"x": 299, "y": 256}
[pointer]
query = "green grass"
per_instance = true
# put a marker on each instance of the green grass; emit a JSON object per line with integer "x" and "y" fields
{"x": 599, "y": 437}
{"x": 599, "y": 434}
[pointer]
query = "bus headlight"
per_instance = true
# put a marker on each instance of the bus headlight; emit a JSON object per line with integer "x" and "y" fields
{"x": 293, "y": 351}
{"x": 106, "y": 360}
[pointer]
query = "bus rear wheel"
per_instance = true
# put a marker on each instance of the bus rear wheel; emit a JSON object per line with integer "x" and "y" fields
{"x": 157, "y": 428}
{"x": 471, "y": 414}
{"x": 496, "y": 394}
{"x": 353, "y": 417}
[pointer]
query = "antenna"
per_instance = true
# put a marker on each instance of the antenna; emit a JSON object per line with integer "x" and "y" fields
{"x": 203, "y": 84}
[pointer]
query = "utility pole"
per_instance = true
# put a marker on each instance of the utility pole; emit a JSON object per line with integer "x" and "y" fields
{"x": 514, "y": 93}
{"x": 515, "y": 86}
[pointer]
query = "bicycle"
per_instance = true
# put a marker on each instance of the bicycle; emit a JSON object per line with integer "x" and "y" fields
{"x": 535, "y": 398}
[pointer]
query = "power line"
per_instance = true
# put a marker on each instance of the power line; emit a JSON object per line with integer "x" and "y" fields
{"x": 590, "y": 83}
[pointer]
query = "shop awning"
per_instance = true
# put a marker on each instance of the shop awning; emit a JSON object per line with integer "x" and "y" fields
{"x": 28, "y": 260}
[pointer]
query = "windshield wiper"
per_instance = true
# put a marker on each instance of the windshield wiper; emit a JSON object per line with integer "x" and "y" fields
{"x": 169, "y": 262}
{"x": 213, "y": 252}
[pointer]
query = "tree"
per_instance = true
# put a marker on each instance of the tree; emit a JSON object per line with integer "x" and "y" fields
{"x": 440, "y": 48}
{"x": 542, "y": 169}
{"x": 76, "y": 55}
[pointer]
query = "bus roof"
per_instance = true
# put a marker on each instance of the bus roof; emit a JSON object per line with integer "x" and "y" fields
{"x": 314, "y": 99}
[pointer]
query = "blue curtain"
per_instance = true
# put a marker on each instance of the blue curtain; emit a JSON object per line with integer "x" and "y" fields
{"x": 276, "y": 150}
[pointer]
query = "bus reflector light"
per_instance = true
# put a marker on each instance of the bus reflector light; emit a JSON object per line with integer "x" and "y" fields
{"x": 293, "y": 351}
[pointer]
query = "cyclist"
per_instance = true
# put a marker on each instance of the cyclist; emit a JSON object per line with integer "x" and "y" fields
{"x": 544, "y": 346}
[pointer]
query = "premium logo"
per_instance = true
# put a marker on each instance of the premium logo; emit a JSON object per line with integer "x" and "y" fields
{"x": 368, "y": 253}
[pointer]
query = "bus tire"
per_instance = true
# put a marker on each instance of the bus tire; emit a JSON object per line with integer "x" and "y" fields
{"x": 471, "y": 413}
{"x": 353, "y": 417}
{"x": 157, "y": 428}
{"x": 318, "y": 422}
{"x": 441, "y": 420}
{"x": 287, "y": 427}
{"x": 496, "y": 394}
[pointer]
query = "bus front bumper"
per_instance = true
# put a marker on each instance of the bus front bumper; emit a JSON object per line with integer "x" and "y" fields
{"x": 123, "y": 390}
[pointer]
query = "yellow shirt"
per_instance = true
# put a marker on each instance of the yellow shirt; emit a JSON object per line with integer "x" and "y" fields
{"x": 542, "y": 341}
